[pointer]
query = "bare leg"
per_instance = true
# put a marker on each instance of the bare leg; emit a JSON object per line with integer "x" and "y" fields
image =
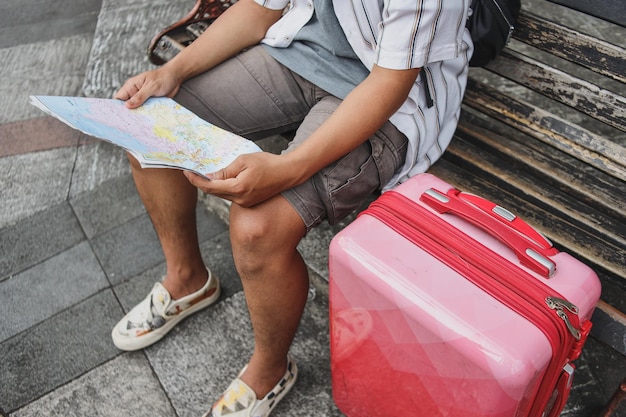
{"x": 275, "y": 282}
{"x": 171, "y": 203}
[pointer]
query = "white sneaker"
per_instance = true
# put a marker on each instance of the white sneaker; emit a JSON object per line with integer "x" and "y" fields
{"x": 239, "y": 400}
{"x": 157, "y": 314}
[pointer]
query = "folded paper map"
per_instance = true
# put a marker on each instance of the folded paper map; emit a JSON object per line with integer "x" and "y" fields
{"x": 160, "y": 134}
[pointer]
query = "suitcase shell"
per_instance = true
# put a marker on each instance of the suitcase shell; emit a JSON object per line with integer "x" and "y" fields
{"x": 412, "y": 334}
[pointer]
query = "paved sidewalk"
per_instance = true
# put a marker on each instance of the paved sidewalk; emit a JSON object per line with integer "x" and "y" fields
{"x": 77, "y": 249}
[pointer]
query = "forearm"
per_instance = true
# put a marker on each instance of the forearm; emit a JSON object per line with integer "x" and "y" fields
{"x": 242, "y": 25}
{"x": 359, "y": 116}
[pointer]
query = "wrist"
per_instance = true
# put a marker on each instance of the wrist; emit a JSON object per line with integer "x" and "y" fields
{"x": 299, "y": 165}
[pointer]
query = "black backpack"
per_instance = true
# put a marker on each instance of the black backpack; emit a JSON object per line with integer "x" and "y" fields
{"x": 491, "y": 24}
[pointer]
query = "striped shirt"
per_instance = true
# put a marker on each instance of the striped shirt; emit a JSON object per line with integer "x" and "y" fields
{"x": 402, "y": 34}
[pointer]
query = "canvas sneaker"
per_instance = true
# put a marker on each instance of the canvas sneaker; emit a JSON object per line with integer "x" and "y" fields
{"x": 239, "y": 400}
{"x": 158, "y": 313}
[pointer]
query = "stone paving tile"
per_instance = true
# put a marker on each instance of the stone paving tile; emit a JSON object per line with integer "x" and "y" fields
{"x": 37, "y": 134}
{"x": 57, "y": 350}
{"x": 23, "y": 22}
{"x": 96, "y": 163}
{"x": 123, "y": 387}
{"x": 37, "y": 238}
{"x": 54, "y": 67}
{"x": 592, "y": 386}
{"x": 114, "y": 203}
{"x": 33, "y": 182}
{"x": 217, "y": 255}
{"x": 48, "y": 288}
{"x": 128, "y": 250}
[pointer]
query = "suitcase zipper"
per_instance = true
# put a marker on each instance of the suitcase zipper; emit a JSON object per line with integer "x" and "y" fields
{"x": 538, "y": 303}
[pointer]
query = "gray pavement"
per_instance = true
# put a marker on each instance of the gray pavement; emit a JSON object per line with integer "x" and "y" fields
{"x": 77, "y": 249}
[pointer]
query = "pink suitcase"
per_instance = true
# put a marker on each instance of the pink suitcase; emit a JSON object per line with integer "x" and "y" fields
{"x": 445, "y": 304}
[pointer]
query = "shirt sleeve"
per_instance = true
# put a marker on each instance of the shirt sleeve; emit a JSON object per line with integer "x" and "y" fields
{"x": 403, "y": 34}
{"x": 414, "y": 33}
{"x": 296, "y": 14}
{"x": 273, "y": 4}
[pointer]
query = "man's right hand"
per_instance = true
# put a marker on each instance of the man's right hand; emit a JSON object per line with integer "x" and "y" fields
{"x": 156, "y": 83}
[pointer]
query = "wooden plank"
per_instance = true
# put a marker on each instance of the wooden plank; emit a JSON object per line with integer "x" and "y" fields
{"x": 609, "y": 326}
{"x": 557, "y": 132}
{"x": 610, "y": 10}
{"x": 592, "y": 53}
{"x": 582, "y": 95}
{"x": 519, "y": 152}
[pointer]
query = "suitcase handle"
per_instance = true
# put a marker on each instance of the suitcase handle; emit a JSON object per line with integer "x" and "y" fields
{"x": 531, "y": 247}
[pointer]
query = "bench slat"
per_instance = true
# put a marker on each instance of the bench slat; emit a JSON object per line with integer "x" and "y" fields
{"x": 520, "y": 153}
{"x": 610, "y": 10}
{"x": 594, "y": 54}
{"x": 609, "y": 326}
{"x": 587, "y": 146}
{"x": 572, "y": 91}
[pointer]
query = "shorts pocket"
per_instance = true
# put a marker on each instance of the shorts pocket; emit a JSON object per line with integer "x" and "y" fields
{"x": 350, "y": 181}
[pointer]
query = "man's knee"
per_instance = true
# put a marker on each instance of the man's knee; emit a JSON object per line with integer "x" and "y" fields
{"x": 264, "y": 234}
{"x": 251, "y": 239}
{"x": 249, "y": 228}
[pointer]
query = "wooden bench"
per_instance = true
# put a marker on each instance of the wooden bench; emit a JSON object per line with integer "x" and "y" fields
{"x": 543, "y": 133}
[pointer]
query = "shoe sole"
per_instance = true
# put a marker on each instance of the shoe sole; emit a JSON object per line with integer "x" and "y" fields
{"x": 137, "y": 343}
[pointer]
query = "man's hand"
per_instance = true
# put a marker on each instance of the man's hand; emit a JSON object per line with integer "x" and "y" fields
{"x": 250, "y": 179}
{"x": 242, "y": 25}
{"x": 155, "y": 83}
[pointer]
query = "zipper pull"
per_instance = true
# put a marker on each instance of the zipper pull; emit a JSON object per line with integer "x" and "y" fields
{"x": 555, "y": 302}
{"x": 560, "y": 305}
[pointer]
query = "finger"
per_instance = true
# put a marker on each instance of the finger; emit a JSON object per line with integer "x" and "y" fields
{"x": 192, "y": 177}
{"x": 221, "y": 189}
{"x": 217, "y": 175}
{"x": 122, "y": 94}
{"x": 199, "y": 181}
{"x": 138, "y": 98}
{"x": 130, "y": 87}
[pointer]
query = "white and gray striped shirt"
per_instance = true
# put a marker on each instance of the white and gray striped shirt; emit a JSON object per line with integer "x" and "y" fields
{"x": 402, "y": 34}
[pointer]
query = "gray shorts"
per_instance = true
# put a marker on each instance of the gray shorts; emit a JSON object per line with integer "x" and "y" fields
{"x": 256, "y": 97}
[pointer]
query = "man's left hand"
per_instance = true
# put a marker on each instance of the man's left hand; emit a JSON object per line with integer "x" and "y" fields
{"x": 250, "y": 179}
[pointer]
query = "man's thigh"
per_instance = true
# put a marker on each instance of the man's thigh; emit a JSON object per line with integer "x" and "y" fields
{"x": 250, "y": 94}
